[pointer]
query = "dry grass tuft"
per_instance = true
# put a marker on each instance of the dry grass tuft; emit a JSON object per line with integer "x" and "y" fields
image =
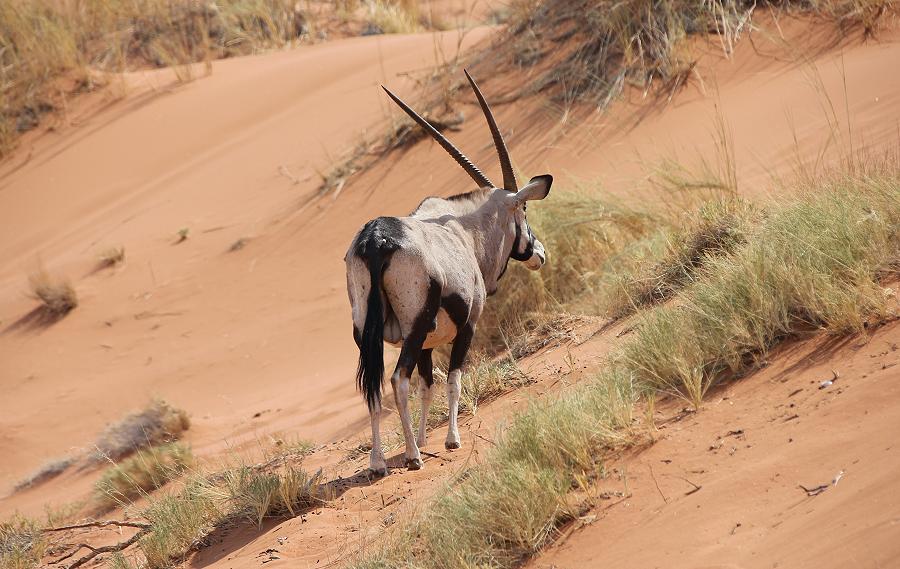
{"x": 158, "y": 423}
{"x": 112, "y": 257}
{"x": 259, "y": 494}
{"x": 392, "y": 17}
{"x": 143, "y": 472}
{"x": 57, "y": 295}
{"x": 239, "y": 244}
{"x": 21, "y": 543}
{"x": 181, "y": 520}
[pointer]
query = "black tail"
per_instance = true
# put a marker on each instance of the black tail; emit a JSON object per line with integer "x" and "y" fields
{"x": 370, "y": 371}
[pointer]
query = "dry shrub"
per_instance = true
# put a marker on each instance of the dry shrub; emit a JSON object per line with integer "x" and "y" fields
{"x": 57, "y": 295}
{"x": 112, "y": 257}
{"x": 590, "y": 50}
{"x": 158, "y": 423}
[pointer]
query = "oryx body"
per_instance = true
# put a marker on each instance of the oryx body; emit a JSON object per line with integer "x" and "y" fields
{"x": 421, "y": 281}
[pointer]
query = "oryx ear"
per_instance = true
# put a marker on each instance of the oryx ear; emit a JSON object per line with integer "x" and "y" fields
{"x": 536, "y": 189}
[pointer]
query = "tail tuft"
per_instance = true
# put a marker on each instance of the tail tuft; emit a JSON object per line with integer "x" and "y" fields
{"x": 370, "y": 371}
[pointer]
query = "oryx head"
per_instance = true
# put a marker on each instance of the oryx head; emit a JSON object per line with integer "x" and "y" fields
{"x": 525, "y": 245}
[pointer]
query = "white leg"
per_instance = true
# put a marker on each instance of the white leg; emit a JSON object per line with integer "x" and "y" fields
{"x": 401, "y": 396}
{"x": 426, "y": 394}
{"x": 377, "y": 464}
{"x": 453, "y": 383}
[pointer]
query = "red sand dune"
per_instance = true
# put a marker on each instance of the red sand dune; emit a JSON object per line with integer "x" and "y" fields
{"x": 256, "y": 342}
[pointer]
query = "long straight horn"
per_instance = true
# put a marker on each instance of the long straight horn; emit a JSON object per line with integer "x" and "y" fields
{"x": 460, "y": 158}
{"x": 509, "y": 177}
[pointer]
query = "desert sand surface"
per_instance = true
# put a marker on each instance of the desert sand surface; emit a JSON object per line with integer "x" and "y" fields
{"x": 725, "y": 487}
{"x": 255, "y": 343}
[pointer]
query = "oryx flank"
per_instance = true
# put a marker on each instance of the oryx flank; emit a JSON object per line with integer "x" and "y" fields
{"x": 421, "y": 281}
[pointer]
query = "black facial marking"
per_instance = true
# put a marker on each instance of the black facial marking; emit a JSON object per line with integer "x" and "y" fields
{"x": 529, "y": 248}
{"x": 423, "y": 324}
{"x": 426, "y": 368}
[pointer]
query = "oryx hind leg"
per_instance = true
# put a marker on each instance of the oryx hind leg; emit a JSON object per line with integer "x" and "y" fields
{"x": 454, "y": 379}
{"x": 409, "y": 356}
{"x": 426, "y": 393}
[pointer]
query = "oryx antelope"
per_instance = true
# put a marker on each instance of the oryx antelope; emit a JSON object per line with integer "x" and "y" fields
{"x": 421, "y": 281}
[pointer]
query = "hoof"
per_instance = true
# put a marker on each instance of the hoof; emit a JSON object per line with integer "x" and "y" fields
{"x": 414, "y": 463}
{"x": 378, "y": 472}
{"x": 451, "y": 445}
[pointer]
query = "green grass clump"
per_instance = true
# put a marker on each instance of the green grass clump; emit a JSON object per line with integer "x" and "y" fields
{"x": 21, "y": 543}
{"x": 716, "y": 229}
{"x": 143, "y": 472}
{"x": 257, "y": 494}
{"x": 813, "y": 263}
{"x": 178, "y": 522}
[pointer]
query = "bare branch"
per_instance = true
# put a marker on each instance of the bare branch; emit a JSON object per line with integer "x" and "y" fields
{"x": 95, "y": 551}
{"x": 106, "y": 523}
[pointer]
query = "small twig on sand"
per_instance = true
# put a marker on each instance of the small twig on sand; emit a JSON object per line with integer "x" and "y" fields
{"x": 814, "y": 491}
{"x": 695, "y": 489}
{"x": 666, "y": 500}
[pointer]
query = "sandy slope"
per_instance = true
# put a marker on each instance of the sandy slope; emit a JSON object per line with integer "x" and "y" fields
{"x": 256, "y": 342}
{"x": 224, "y": 335}
{"x": 750, "y": 450}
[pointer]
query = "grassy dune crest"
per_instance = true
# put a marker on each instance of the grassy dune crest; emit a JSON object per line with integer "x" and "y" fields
{"x": 816, "y": 260}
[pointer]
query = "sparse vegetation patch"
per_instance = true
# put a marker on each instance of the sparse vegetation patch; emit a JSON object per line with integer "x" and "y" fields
{"x": 144, "y": 471}
{"x": 21, "y": 543}
{"x": 813, "y": 261}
